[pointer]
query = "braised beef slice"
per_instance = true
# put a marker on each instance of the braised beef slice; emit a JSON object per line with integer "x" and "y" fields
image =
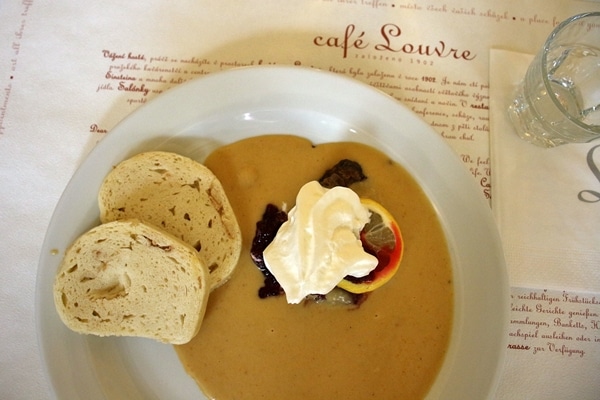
{"x": 344, "y": 173}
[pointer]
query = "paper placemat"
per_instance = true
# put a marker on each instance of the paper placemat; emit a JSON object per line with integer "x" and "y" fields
{"x": 59, "y": 60}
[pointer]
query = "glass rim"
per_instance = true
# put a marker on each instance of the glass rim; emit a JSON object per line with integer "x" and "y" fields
{"x": 559, "y": 28}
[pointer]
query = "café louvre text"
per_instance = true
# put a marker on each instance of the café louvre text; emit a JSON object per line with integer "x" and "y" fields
{"x": 389, "y": 40}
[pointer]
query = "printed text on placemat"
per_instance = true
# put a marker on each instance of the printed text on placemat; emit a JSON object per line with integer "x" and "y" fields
{"x": 554, "y": 322}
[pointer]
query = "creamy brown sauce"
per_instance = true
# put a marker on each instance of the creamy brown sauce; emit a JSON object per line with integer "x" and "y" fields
{"x": 391, "y": 347}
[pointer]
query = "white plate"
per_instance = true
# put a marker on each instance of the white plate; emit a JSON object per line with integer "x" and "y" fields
{"x": 195, "y": 118}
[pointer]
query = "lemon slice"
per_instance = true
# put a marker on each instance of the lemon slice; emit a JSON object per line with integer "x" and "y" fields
{"x": 381, "y": 237}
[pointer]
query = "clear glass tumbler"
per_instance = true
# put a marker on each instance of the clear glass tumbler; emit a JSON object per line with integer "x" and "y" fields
{"x": 558, "y": 101}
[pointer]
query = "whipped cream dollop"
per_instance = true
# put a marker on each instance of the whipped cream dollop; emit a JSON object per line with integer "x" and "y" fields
{"x": 319, "y": 244}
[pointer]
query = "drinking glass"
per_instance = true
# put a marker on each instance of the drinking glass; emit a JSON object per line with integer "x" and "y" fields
{"x": 558, "y": 101}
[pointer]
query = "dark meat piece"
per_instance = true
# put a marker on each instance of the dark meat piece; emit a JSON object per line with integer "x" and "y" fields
{"x": 266, "y": 229}
{"x": 344, "y": 173}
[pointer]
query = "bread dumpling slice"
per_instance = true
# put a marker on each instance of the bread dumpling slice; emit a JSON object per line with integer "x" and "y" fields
{"x": 127, "y": 278}
{"x": 181, "y": 196}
